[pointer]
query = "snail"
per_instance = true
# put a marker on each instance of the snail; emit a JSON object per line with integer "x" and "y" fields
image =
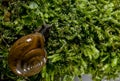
{"x": 28, "y": 55}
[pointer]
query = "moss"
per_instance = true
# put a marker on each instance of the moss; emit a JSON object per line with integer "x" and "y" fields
{"x": 84, "y": 37}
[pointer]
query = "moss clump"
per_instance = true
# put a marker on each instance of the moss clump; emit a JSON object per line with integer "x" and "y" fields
{"x": 85, "y": 37}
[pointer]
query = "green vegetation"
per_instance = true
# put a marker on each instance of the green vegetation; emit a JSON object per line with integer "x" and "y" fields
{"x": 84, "y": 39}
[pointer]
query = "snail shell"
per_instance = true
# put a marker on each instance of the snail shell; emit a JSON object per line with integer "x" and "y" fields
{"x": 27, "y": 55}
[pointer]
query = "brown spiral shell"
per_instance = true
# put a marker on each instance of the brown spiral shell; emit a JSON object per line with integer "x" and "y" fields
{"x": 27, "y": 55}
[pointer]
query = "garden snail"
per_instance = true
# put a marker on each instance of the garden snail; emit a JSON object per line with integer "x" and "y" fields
{"x": 27, "y": 55}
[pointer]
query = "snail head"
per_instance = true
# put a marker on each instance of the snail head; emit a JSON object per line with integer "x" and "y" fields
{"x": 44, "y": 30}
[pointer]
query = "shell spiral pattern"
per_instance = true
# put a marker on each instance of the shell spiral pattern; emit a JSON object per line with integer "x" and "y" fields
{"x": 27, "y": 55}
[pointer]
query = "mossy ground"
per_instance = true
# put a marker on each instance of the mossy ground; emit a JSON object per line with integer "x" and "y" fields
{"x": 84, "y": 39}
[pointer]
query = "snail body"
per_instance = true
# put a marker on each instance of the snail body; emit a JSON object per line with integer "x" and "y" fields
{"x": 27, "y": 55}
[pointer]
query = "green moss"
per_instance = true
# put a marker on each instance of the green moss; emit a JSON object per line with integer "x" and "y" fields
{"x": 84, "y": 37}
